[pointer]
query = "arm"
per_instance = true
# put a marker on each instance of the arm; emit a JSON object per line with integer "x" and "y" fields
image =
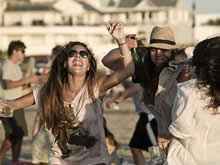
{"x": 9, "y": 84}
{"x": 37, "y": 124}
{"x": 113, "y": 60}
{"x": 22, "y": 102}
{"x": 8, "y": 106}
{"x": 127, "y": 93}
{"x": 108, "y": 81}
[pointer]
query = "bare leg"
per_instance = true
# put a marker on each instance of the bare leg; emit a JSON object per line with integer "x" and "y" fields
{"x": 6, "y": 145}
{"x": 138, "y": 156}
{"x": 16, "y": 150}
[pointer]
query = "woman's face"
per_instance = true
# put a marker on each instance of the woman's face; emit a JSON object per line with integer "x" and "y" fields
{"x": 160, "y": 56}
{"x": 78, "y": 62}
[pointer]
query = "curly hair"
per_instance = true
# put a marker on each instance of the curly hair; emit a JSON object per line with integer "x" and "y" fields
{"x": 206, "y": 60}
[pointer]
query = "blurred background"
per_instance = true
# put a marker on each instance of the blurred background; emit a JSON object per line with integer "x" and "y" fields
{"x": 42, "y": 24}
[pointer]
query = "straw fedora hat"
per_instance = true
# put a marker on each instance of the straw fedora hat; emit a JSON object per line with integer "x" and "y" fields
{"x": 162, "y": 37}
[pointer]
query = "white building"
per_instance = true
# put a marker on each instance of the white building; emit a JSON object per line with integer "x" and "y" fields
{"x": 41, "y": 24}
{"x": 203, "y": 30}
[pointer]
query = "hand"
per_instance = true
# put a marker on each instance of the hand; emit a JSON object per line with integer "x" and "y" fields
{"x": 186, "y": 70}
{"x": 117, "y": 31}
{"x": 163, "y": 142}
{"x": 185, "y": 74}
{"x": 36, "y": 78}
{"x": 6, "y": 108}
{"x": 132, "y": 41}
{"x": 110, "y": 104}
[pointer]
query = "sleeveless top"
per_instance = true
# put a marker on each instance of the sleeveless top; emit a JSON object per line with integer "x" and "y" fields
{"x": 90, "y": 114}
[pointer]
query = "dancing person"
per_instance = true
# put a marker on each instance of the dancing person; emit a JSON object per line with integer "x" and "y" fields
{"x": 145, "y": 132}
{"x": 158, "y": 71}
{"x": 71, "y": 102}
{"x": 195, "y": 123}
{"x": 15, "y": 127}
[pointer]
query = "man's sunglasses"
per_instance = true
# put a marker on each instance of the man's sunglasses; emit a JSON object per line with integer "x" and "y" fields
{"x": 73, "y": 53}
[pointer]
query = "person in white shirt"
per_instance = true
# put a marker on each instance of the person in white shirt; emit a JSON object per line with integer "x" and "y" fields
{"x": 195, "y": 127}
{"x": 13, "y": 82}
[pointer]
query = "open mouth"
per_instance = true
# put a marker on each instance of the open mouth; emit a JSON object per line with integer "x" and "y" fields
{"x": 77, "y": 64}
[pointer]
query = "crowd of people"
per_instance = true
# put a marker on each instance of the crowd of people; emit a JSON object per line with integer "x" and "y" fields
{"x": 176, "y": 95}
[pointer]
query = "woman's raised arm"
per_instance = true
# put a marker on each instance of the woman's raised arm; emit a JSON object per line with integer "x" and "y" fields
{"x": 127, "y": 68}
{"x": 112, "y": 59}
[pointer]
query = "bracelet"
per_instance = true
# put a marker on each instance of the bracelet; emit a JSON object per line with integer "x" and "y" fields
{"x": 123, "y": 56}
{"x": 122, "y": 43}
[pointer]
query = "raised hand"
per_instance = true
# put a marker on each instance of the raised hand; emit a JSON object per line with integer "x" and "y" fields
{"x": 117, "y": 31}
{"x": 132, "y": 41}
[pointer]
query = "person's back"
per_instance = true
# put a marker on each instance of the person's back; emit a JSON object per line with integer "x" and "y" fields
{"x": 197, "y": 129}
{"x": 196, "y": 111}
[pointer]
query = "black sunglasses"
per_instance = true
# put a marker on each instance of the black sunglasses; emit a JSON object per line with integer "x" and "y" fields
{"x": 73, "y": 53}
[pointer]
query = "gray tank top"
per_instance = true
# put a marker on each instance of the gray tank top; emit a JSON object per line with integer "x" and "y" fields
{"x": 91, "y": 115}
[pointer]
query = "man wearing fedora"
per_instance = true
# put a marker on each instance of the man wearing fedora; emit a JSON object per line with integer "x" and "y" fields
{"x": 158, "y": 72}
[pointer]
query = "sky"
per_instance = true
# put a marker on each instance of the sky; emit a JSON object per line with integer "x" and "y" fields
{"x": 205, "y": 6}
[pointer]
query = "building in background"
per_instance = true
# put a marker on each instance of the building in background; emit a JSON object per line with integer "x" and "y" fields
{"x": 41, "y": 24}
{"x": 207, "y": 25}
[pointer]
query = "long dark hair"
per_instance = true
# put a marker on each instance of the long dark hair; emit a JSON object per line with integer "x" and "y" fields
{"x": 51, "y": 94}
{"x": 151, "y": 77}
{"x": 206, "y": 60}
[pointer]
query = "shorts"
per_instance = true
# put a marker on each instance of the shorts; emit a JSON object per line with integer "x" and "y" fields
{"x": 15, "y": 127}
{"x": 145, "y": 133}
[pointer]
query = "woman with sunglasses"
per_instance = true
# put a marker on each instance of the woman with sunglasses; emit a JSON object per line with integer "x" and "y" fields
{"x": 71, "y": 102}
